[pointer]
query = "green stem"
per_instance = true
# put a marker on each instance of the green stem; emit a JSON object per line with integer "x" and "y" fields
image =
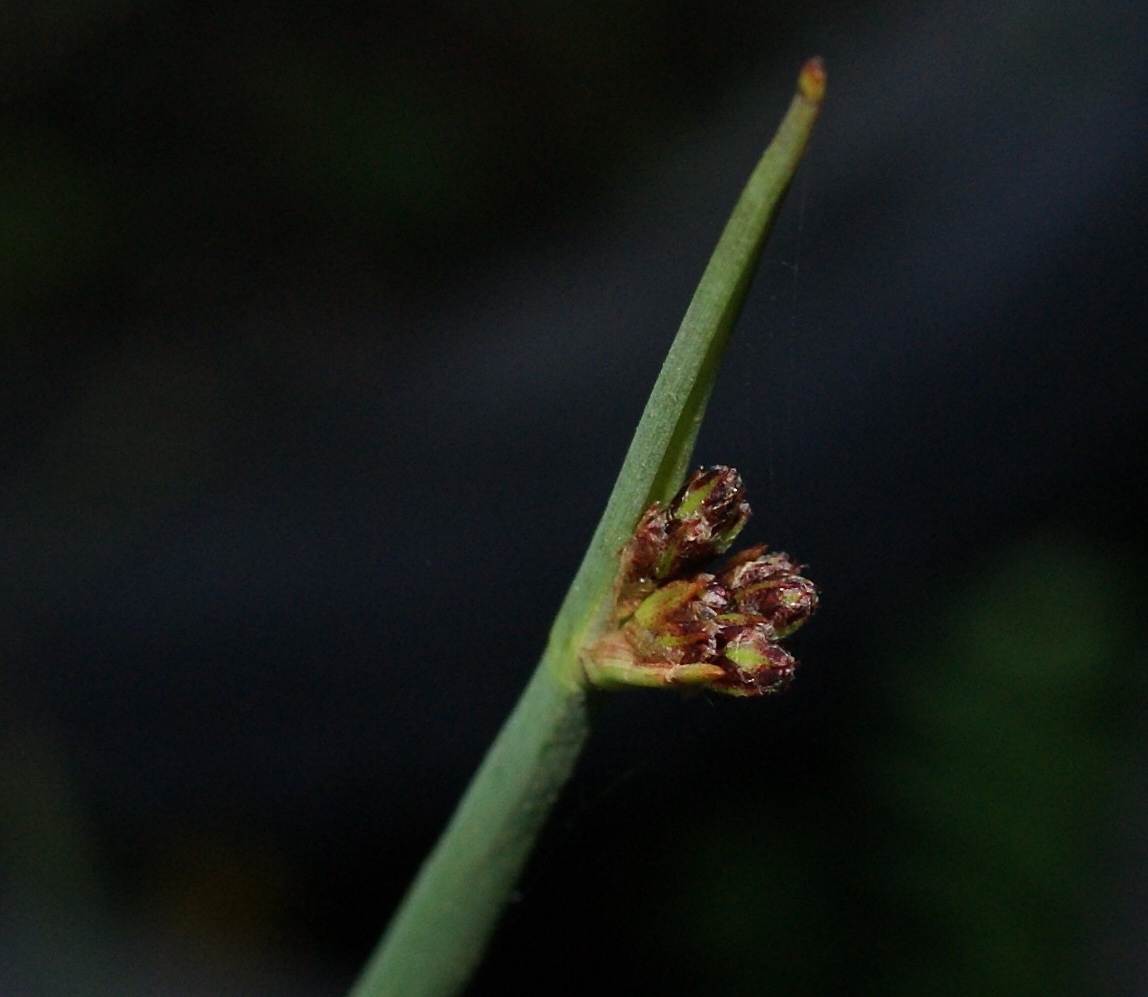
{"x": 663, "y": 443}
{"x": 440, "y": 930}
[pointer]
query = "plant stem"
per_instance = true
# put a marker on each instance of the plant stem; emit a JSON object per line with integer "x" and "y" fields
{"x": 663, "y": 443}
{"x": 439, "y": 932}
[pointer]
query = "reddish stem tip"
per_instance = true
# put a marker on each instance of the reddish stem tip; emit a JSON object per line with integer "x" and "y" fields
{"x": 811, "y": 82}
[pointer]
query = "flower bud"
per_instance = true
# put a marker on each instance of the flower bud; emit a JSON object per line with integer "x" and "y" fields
{"x": 702, "y": 520}
{"x": 759, "y": 664}
{"x": 769, "y": 586}
{"x": 787, "y": 603}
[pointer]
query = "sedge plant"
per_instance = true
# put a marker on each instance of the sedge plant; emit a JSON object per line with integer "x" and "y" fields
{"x": 639, "y": 612}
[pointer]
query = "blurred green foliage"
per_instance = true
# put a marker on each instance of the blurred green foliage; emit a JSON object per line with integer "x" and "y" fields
{"x": 955, "y": 844}
{"x": 1001, "y": 766}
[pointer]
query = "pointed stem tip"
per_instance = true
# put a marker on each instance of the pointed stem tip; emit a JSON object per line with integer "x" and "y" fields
{"x": 811, "y": 82}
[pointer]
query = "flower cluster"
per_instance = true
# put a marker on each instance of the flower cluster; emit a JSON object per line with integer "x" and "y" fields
{"x": 676, "y": 626}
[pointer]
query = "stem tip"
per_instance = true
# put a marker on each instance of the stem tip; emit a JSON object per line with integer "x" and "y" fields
{"x": 811, "y": 82}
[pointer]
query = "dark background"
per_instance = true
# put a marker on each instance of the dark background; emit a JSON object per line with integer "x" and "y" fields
{"x": 325, "y": 330}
